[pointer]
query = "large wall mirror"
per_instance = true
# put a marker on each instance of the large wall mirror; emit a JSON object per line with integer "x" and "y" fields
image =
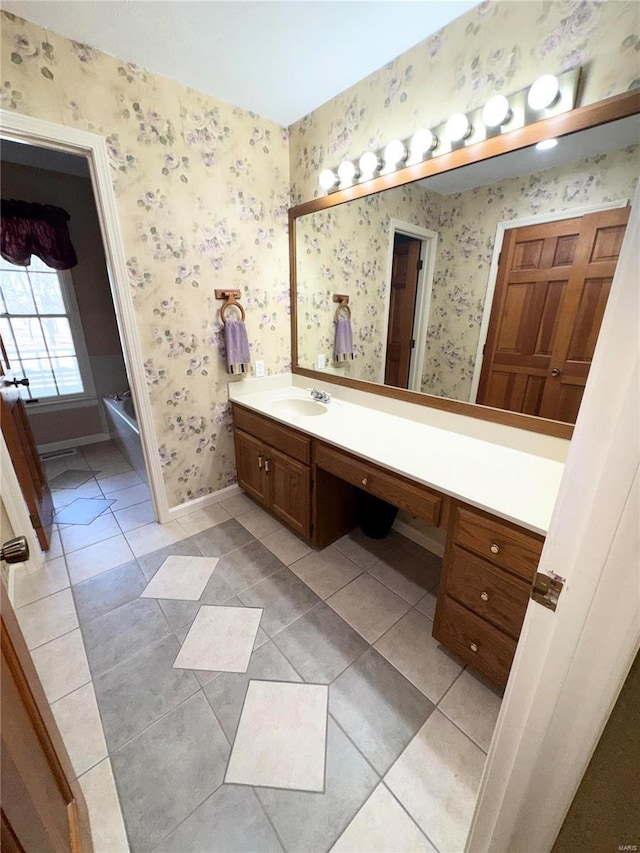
{"x": 482, "y": 285}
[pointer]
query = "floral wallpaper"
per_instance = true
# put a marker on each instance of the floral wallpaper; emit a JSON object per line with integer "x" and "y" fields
{"x": 202, "y": 191}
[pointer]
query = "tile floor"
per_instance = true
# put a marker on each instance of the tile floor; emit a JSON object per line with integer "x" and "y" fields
{"x": 222, "y": 687}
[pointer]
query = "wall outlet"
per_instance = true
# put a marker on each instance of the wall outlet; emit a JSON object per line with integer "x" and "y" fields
{"x": 260, "y": 368}
{"x": 321, "y": 362}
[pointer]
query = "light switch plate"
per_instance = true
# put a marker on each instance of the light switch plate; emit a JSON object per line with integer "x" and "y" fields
{"x": 322, "y": 361}
{"x": 259, "y": 368}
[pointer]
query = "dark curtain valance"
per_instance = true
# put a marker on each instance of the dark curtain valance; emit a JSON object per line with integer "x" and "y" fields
{"x": 35, "y": 229}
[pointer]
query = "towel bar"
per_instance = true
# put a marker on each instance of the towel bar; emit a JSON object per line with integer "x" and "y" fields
{"x": 343, "y": 301}
{"x": 232, "y": 297}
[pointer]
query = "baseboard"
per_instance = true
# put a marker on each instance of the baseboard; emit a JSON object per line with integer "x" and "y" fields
{"x": 73, "y": 442}
{"x": 419, "y": 538}
{"x": 203, "y": 501}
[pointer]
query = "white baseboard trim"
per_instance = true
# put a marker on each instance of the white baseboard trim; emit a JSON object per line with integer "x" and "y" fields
{"x": 203, "y": 501}
{"x": 419, "y": 538}
{"x": 73, "y": 442}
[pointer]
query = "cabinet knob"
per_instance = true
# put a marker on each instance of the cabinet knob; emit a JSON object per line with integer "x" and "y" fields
{"x": 494, "y": 549}
{"x": 474, "y": 647}
{"x": 364, "y": 481}
{"x": 484, "y": 596}
{"x": 266, "y": 466}
{"x": 260, "y": 461}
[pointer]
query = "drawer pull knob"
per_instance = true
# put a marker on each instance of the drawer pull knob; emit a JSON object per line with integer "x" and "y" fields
{"x": 260, "y": 461}
{"x": 266, "y": 466}
{"x": 474, "y": 647}
{"x": 494, "y": 549}
{"x": 364, "y": 481}
{"x": 484, "y": 596}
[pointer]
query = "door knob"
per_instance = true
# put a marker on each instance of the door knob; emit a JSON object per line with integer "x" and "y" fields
{"x": 24, "y": 381}
{"x": 15, "y": 550}
{"x": 555, "y": 371}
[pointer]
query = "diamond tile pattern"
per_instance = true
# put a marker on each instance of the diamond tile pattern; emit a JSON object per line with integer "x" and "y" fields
{"x": 181, "y": 577}
{"x": 82, "y": 511}
{"x": 221, "y": 638}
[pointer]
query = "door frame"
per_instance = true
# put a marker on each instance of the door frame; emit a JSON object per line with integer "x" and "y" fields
{"x": 57, "y": 137}
{"x": 429, "y": 241}
{"x": 501, "y": 228}
{"x": 579, "y": 656}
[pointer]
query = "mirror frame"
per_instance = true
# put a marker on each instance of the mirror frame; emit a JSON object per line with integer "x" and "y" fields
{"x": 602, "y": 112}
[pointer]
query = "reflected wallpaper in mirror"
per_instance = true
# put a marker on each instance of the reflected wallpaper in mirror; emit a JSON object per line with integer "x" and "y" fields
{"x": 347, "y": 249}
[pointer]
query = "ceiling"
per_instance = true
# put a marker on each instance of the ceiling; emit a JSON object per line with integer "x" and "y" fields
{"x": 278, "y": 58}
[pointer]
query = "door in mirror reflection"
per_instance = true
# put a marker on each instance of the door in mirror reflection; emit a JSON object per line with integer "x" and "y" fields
{"x": 405, "y": 268}
{"x": 552, "y": 287}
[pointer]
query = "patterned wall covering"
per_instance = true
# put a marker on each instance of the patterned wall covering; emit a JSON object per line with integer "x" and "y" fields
{"x": 202, "y": 194}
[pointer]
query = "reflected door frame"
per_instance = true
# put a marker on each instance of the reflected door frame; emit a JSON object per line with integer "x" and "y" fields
{"x": 508, "y": 225}
{"x": 428, "y": 251}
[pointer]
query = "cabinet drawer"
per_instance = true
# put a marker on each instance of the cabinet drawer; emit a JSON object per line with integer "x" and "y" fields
{"x": 287, "y": 440}
{"x": 462, "y": 631}
{"x": 402, "y": 493}
{"x": 488, "y": 591}
{"x": 508, "y": 547}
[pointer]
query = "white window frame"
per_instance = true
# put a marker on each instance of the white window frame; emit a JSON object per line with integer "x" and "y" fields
{"x": 88, "y": 396}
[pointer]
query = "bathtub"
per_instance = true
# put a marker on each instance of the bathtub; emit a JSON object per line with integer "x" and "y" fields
{"x": 124, "y": 430}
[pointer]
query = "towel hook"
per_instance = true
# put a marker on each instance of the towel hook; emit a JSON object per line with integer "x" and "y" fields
{"x": 343, "y": 301}
{"x": 232, "y": 297}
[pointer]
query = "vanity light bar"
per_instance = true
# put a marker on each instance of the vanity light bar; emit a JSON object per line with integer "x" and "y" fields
{"x": 547, "y": 96}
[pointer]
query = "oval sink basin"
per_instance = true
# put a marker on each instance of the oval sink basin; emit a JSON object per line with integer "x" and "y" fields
{"x": 298, "y": 406}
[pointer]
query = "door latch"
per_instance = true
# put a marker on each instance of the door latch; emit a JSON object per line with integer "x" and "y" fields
{"x": 546, "y": 589}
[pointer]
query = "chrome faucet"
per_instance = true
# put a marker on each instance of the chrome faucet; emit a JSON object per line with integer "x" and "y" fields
{"x": 320, "y": 396}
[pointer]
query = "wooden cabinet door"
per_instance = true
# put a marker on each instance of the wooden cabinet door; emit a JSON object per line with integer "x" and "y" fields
{"x": 289, "y": 491}
{"x": 250, "y": 456}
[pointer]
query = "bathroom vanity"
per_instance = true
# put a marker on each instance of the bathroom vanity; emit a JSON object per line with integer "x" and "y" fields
{"x": 303, "y": 461}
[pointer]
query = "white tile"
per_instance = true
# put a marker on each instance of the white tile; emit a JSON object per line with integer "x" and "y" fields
{"x": 63, "y": 497}
{"x": 55, "y": 547}
{"x": 81, "y": 729}
{"x": 474, "y": 707}
{"x": 203, "y": 519}
{"x": 98, "y": 558}
{"x": 181, "y": 577}
{"x": 410, "y": 647}
{"x": 48, "y": 618}
{"x": 105, "y": 816}
{"x": 77, "y": 536}
{"x": 281, "y": 737}
{"x": 326, "y": 571}
{"x": 135, "y": 516}
{"x": 437, "y": 779}
{"x": 221, "y": 639}
{"x": 151, "y": 537}
{"x": 115, "y": 482}
{"x": 130, "y": 497}
{"x": 62, "y": 665}
{"x": 259, "y": 522}
{"x": 427, "y": 605}
{"x": 368, "y": 606}
{"x": 285, "y": 546}
{"x": 382, "y": 826}
{"x": 47, "y": 580}
{"x": 238, "y": 504}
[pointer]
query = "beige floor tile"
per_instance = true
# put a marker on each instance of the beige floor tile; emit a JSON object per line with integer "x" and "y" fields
{"x": 81, "y": 728}
{"x": 473, "y": 706}
{"x": 281, "y": 737}
{"x": 427, "y": 605}
{"x": 105, "y": 817}
{"x": 115, "y": 482}
{"x": 55, "y": 547}
{"x": 259, "y": 522}
{"x": 51, "y": 578}
{"x": 368, "y": 606}
{"x": 221, "y": 639}
{"x": 63, "y": 497}
{"x": 62, "y": 665}
{"x": 135, "y": 516}
{"x": 77, "y": 536}
{"x": 286, "y": 546}
{"x": 144, "y": 540}
{"x": 238, "y": 504}
{"x": 408, "y": 574}
{"x": 410, "y": 647}
{"x": 437, "y": 779}
{"x": 48, "y": 618}
{"x": 182, "y": 578}
{"x": 382, "y": 826}
{"x": 130, "y": 497}
{"x": 203, "y": 519}
{"x": 98, "y": 558}
{"x": 359, "y": 548}
{"x": 326, "y": 571}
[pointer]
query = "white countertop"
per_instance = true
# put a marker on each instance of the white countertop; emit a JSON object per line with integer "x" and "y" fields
{"x": 515, "y": 484}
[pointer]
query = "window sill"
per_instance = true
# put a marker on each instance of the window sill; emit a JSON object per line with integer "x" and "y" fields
{"x": 58, "y": 404}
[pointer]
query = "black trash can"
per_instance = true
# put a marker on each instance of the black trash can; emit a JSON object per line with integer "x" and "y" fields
{"x": 374, "y": 516}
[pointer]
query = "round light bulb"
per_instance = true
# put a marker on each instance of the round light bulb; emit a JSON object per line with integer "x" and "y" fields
{"x": 458, "y": 127}
{"x": 347, "y": 172}
{"x": 496, "y": 111}
{"x": 369, "y": 164}
{"x": 394, "y": 153}
{"x": 327, "y": 179}
{"x": 544, "y": 92}
{"x": 546, "y": 144}
{"x": 422, "y": 142}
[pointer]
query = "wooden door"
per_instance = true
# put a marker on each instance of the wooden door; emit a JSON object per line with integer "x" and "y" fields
{"x": 43, "y": 809}
{"x": 250, "y": 465}
{"x": 551, "y": 291}
{"x": 289, "y": 491}
{"x": 21, "y": 445}
{"x": 402, "y": 306}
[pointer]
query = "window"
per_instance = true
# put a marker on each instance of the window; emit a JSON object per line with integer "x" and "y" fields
{"x": 41, "y": 331}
